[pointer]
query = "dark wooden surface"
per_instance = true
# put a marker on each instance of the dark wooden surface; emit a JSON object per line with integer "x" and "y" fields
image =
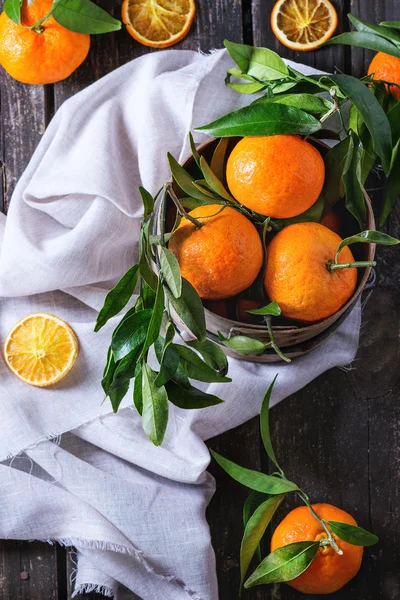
{"x": 338, "y": 437}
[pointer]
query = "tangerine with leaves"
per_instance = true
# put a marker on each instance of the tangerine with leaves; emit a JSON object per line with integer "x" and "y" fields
{"x": 301, "y": 276}
{"x": 45, "y": 54}
{"x": 385, "y": 67}
{"x": 218, "y": 250}
{"x": 278, "y": 176}
{"x": 329, "y": 571}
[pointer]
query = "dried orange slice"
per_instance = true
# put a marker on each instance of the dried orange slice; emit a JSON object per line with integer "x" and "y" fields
{"x": 41, "y": 349}
{"x": 303, "y": 24}
{"x": 158, "y": 23}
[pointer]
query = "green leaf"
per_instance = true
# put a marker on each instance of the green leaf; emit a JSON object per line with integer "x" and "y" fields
{"x": 392, "y": 186}
{"x": 307, "y": 102}
{"x": 393, "y": 24}
{"x": 108, "y": 373}
{"x": 365, "y": 40}
{"x": 365, "y": 27}
{"x": 148, "y": 201}
{"x": 244, "y": 88}
{"x": 368, "y": 237}
{"x": 154, "y": 326}
{"x": 260, "y": 63}
{"x": 168, "y": 357}
{"x": 253, "y": 501}
{"x": 125, "y": 369}
{"x": 264, "y": 424}
{"x": 190, "y": 309}
{"x": 155, "y": 407}
{"x": 242, "y": 344}
{"x": 268, "y": 484}
{"x": 357, "y": 536}
{"x": 193, "y": 148}
{"x": 213, "y": 355}
{"x": 351, "y": 178}
{"x": 372, "y": 113}
{"x": 118, "y": 297}
{"x": 12, "y": 8}
{"x": 116, "y": 396}
{"x": 219, "y": 158}
{"x": 130, "y": 334}
{"x": 171, "y": 271}
{"x": 83, "y": 16}
{"x": 195, "y": 368}
{"x": 284, "y": 564}
{"x": 190, "y": 398}
{"x": 184, "y": 180}
{"x": 145, "y": 257}
{"x": 138, "y": 392}
{"x": 272, "y": 308}
{"x": 255, "y": 530}
{"x": 256, "y": 120}
{"x": 213, "y": 182}
{"x": 393, "y": 116}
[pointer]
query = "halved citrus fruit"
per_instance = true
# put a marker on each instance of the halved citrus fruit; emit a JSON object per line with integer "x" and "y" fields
{"x": 41, "y": 349}
{"x": 158, "y": 23}
{"x": 303, "y": 24}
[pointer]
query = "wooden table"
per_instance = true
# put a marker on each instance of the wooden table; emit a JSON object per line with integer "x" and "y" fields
{"x": 339, "y": 437}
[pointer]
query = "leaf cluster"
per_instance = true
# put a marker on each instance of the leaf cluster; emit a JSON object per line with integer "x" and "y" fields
{"x": 290, "y": 102}
{"x": 268, "y": 492}
{"x": 139, "y": 332}
{"x": 81, "y": 16}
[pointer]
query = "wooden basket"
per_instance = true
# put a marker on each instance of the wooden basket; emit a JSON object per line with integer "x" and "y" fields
{"x": 294, "y": 340}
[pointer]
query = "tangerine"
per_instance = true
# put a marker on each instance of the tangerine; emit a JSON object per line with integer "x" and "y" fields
{"x": 47, "y": 54}
{"x": 277, "y": 176}
{"x": 386, "y": 68}
{"x": 332, "y": 221}
{"x": 222, "y": 256}
{"x": 329, "y": 570}
{"x": 298, "y": 276}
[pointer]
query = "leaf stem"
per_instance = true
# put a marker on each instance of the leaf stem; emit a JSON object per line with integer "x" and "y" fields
{"x": 180, "y": 208}
{"x": 331, "y": 539}
{"x": 273, "y": 343}
{"x": 332, "y": 266}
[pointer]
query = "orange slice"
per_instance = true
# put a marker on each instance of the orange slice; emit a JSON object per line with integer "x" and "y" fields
{"x": 158, "y": 23}
{"x": 303, "y": 24}
{"x": 41, "y": 349}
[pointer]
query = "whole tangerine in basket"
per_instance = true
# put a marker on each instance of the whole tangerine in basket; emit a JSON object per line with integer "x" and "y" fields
{"x": 47, "y": 54}
{"x": 221, "y": 256}
{"x": 386, "y": 68}
{"x": 278, "y": 176}
{"x": 299, "y": 276}
{"x": 329, "y": 570}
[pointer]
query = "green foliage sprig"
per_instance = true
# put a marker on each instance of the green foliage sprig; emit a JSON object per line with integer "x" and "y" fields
{"x": 81, "y": 16}
{"x": 292, "y": 103}
{"x": 268, "y": 492}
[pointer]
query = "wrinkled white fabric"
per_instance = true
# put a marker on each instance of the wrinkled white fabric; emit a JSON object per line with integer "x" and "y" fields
{"x": 136, "y": 513}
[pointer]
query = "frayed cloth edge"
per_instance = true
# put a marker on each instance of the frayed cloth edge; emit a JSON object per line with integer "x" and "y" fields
{"x": 118, "y": 548}
{"x": 89, "y": 588}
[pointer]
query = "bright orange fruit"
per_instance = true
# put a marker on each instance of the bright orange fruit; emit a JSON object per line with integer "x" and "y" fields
{"x": 41, "y": 349}
{"x": 47, "y": 56}
{"x": 386, "y": 68}
{"x": 303, "y": 24}
{"x": 158, "y": 23}
{"x": 329, "y": 570}
{"x": 278, "y": 176}
{"x": 222, "y": 257}
{"x": 297, "y": 276}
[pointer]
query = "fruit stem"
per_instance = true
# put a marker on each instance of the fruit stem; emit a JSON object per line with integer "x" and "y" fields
{"x": 37, "y": 27}
{"x": 180, "y": 208}
{"x": 331, "y": 539}
{"x": 273, "y": 343}
{"x": 332, "y": 266}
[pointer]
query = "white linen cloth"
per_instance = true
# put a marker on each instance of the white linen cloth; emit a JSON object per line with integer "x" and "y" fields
{"x": 136, "y": 513}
